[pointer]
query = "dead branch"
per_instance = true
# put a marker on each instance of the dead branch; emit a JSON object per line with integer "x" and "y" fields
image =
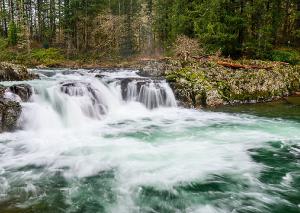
{"x": 241, "y": 66}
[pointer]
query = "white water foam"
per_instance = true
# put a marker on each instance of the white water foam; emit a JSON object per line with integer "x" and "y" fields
{"x": 82, "y": 125}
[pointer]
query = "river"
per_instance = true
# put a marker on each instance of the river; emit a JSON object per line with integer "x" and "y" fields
{"x": 113, "y": 141}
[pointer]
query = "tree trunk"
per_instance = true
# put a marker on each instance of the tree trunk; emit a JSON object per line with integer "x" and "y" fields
{"x": 298, "y": 23}
{"x": 4, "y": 21}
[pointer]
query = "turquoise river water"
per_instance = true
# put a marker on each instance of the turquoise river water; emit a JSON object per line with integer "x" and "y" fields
{"x": 112, "y": 141}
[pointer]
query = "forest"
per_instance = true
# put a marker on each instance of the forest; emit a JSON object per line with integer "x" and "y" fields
{"x": 107, "y": 29}
{"x": 150, "y": 106}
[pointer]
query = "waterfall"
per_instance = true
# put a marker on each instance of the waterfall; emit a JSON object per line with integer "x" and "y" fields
{"x": 151, "y": 94}
{"x": 74, "y": 98}
{"x": 103, "y": 141}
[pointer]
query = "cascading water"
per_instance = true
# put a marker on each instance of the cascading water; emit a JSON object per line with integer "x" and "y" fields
{"x": 112, "y": 141}
{"x": 81, "y": 97}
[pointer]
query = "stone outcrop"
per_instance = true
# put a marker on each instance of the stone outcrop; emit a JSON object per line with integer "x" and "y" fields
{"x": 10, "y": 111}
{"x": 157, "y": 68}
{"x": 10, "y": 107}
{"x": 12, "y": 72}
{"x": 209, "y": 84}
{"x": 24, "y": 91}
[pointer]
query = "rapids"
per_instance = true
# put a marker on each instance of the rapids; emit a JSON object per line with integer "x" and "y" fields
{"x": 113, "y": 141}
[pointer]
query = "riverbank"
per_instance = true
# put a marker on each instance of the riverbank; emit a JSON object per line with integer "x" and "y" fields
{"x": 212, "y": 83}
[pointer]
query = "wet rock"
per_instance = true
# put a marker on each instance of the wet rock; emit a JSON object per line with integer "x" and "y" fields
{"x": 47, "y": 73}
{"x": 10, "y": 107}
{"x": 76, "y": 88}
{"x": 24, "y": 91}
{"x": 10, "y": 112}
{"x": 12, "y": 72}
{"x": 100, "y": 76}
{"x": 2, "y": 90}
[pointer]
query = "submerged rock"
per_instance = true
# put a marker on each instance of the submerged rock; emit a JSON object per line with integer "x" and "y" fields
{"x": 12, "y": 72}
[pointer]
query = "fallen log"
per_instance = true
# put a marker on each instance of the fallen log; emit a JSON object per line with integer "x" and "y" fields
{"x": 241, "y": 66}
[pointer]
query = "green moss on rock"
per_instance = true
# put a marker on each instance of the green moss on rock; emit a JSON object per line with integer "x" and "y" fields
{"x": 200, "y": 84}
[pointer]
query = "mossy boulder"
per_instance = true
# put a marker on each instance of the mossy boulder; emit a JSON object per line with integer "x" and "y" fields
{"x": 12, "y": 72}
{"x": 209, "y": 84}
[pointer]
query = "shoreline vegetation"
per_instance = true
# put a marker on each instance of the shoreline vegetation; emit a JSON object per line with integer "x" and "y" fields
{"x": 77, "y": 33}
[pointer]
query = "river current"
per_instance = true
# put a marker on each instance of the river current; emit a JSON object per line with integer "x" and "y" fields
{"x": 113, "y": 141}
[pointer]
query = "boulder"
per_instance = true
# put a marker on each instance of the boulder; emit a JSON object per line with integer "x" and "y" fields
{"x": 158, "y": 68}
{"x": 214, "y": 99}
{"x": 10, "y": 112}
{"x": 12, "y": 72}
{"x": 10, "y": 107}
{"x": 24, "y": 91}
{"x": 212, "y": 85}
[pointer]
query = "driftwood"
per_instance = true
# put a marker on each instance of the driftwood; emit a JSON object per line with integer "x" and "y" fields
{"x": 241, "y": 66}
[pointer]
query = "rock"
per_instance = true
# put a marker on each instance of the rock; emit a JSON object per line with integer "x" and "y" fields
{"x": 10, "y": 112}
{"x": 152, "y": 68}
{"x": 208, "y": 84}
{"x": 10, "y": 107}
{"x": 2, "y": 90}
{"x": 42, "y": 66}
{"x": 214, "y": 99}
{"x": 24, "y": 91}
{"x": 12, "y": 72}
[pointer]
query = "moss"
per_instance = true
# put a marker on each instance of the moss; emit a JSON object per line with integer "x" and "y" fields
{"x": 171, "y": 77}
{"x": 235, "y": 86}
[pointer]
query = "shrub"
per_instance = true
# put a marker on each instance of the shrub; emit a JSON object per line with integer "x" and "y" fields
{"x": 3, "y": 44}
{"x": 186, "y": 47}
{"x": 286, "y": 55}
{"x": 48, "y": 57}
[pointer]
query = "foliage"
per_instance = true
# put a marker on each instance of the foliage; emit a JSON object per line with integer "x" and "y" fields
{"x": 237, "y": 28}
{"x": 12, "y": 34}
{"x": 3, "y": 44}
{"x": 186, "y": 47}
{"x": 286, "y": 55}
{"x": 124, "y": 28}
{"x": 48, "y": 57}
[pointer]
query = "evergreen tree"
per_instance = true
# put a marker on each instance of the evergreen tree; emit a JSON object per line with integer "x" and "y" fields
{"x": 252, "y": 28}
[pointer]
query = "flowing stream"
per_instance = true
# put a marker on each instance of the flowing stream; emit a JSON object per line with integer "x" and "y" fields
{"x": 113, "y": 141}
